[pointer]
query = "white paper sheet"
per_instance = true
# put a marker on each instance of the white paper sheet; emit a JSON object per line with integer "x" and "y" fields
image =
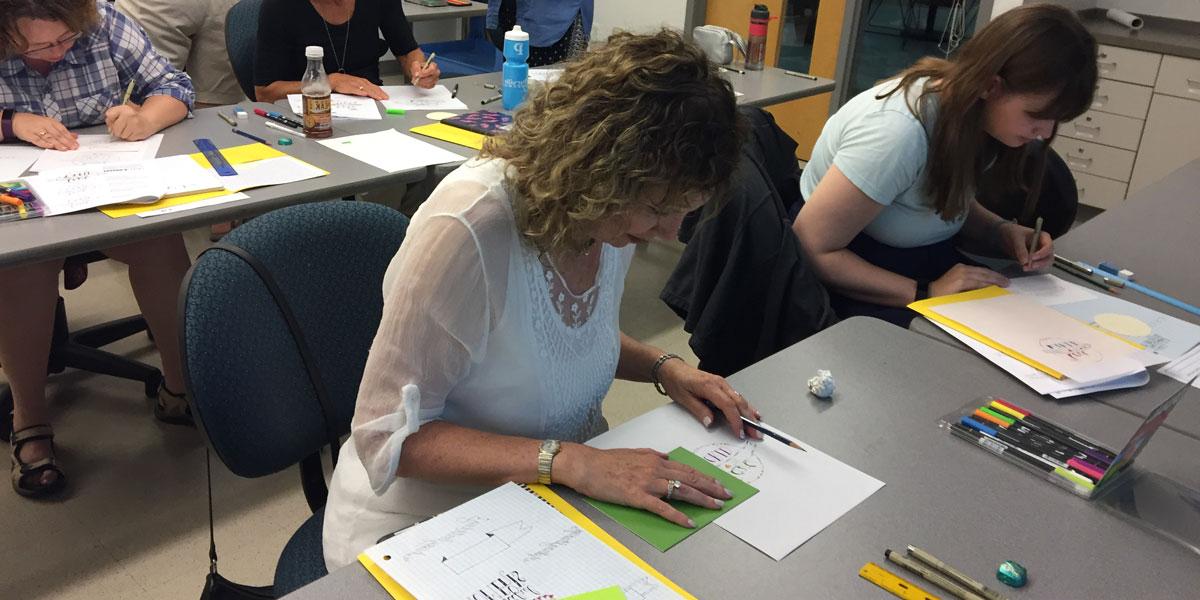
{"x": 508, "y": 544}
{"x": 343, "y": 106}
{"x": 99, "y": 149}
{"x": 1045, "y": 335}
{"x": 391, "y": 150}
{"x": 16, "y": 158}
{"x": 799, "y": 493}
{"x": 1049, "y": 290}
{"x": 1185, "y": 368}
{"x": 270, "y": 171}
{"x": 1039, "y": 381}
{"x": 215, "y": 200}
{"x": 411, "y": 97}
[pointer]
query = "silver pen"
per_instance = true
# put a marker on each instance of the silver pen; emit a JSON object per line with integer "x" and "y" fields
{"x": 800, "y": 75}
{"x": 953, "y": 573}
{"x": 733, "y": 70}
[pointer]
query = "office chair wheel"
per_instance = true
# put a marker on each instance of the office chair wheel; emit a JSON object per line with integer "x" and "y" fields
{"x": 6, "y": 413}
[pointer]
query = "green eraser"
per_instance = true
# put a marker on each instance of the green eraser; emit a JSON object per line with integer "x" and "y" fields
{"x": 285, "y": 141}
{"x": 395, "y": 111}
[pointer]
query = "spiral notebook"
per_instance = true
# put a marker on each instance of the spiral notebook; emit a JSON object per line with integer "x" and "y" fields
{"x": 524, "y": 539}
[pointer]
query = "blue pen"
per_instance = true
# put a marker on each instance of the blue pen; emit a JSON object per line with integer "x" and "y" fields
{"x": 1137, "y": 287}
{"x": 250, "y": 136}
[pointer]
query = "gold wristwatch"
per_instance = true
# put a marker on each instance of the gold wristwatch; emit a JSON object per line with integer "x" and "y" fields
{"x": 546, "y": 455}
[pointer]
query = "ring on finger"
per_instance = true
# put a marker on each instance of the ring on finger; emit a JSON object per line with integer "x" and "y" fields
{"x": 672, "y": 486}
{"x": 42, "y": 133}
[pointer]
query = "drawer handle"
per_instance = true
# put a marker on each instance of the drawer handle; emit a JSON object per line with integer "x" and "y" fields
{"x": 1082, "y": 190}
{"x": 1082, "y": 163}
{"x": 1099, "y": 100}
{"x": 1107, "y": 66}
{"x": 1086, "y": 131}
{"x": 1193, "y": 86}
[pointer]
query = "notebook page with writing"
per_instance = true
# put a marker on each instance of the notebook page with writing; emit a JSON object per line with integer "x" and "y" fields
{"x": 508, "y": 541}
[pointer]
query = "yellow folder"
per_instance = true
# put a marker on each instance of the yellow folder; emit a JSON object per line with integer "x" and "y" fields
{"x": 924, "y": 307}
{"x": 564, "y": 507}
{"x": 452, "y": 134}
{"x": 236, "y": 155}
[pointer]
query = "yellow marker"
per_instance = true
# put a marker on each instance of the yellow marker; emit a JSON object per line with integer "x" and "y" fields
{"x": 1000, "y": 408}
{"x": 128, "y": 91}
{"x": 890, "y": 582}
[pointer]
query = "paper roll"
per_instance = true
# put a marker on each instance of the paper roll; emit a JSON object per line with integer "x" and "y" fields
{"x": 1131, "y": 21}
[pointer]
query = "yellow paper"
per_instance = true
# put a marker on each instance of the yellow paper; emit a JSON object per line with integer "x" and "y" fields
{"x": 236, "y": 155}
{"x": 923, "y": 307}
{"x": 454, "y": 135}
{"x": 608, "y": 593}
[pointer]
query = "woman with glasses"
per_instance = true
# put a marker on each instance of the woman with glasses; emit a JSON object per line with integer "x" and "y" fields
{"x": 66, "y": 64}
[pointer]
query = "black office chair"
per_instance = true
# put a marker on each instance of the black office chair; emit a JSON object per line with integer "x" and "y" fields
{"x": 241, "y": 41}
{"x": 276, "y": 322}
{"x": 81, "y": 350}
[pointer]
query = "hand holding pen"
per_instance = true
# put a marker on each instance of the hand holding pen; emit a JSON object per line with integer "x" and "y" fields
{"x": 426, "y": 75}
{"x": 1033, "y": 250}
{"x": 126, "y": 121}
{"x": 702, "y": 393}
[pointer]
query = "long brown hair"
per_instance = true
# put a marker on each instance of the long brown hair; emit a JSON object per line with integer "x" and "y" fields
{"x": 641, "y": 121}
{"x": 78, "y": 15}
{"x": 1037, "y": 49}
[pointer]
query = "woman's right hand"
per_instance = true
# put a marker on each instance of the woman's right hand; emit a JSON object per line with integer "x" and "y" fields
{"x": 964, "y": 278}
{"x": 637, "y": 478}
{"x": 43, "y": 132}
{"x": 356, "y": 86}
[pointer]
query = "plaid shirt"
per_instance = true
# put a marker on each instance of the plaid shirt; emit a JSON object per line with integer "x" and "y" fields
{"x": 94, "y": 74}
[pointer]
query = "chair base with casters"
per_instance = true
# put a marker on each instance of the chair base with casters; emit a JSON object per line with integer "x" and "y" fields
{"x": 81, "y": 350}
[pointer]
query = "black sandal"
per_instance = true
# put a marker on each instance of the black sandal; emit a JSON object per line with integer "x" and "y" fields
{"x": 172, "y": 408}
{"x": 26, "y": 477}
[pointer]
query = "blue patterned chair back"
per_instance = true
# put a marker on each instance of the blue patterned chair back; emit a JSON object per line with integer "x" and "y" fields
{"x": 241, "y": 41}
{"x": 253, "y": 389}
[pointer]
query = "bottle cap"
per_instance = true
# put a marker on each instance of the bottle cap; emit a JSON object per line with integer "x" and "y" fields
{"x": 760, "y": 11}
{"x": 517, "y": 35}
{"x": 314, "y": 52}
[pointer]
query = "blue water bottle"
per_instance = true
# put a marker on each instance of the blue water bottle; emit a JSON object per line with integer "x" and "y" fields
{"x": 516, "y": 71}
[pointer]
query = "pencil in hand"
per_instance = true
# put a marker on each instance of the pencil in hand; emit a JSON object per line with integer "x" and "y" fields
{"x": 128, "y": 92}
{"x": 428, "y": 60}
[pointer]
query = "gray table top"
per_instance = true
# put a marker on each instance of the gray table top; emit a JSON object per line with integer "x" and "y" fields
{"x": 56, "y": 237}
{"x": 1160, "y": 34}
{"x": 1152, "y": 233}
{"x": 958, "y": 502}
{"x": 416, "y": 12}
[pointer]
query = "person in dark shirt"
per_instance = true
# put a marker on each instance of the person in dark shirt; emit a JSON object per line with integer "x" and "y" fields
{"x": 349, "y": 31}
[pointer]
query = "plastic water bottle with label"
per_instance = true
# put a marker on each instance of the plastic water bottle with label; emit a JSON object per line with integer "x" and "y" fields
{"x": 318, "y": 111}
{"x": 516, "y": 70}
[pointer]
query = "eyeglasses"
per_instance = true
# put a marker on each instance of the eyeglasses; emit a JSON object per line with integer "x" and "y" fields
{"x": 63, "y": 41}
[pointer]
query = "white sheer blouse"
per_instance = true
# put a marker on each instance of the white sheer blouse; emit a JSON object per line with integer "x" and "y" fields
{"x": 479, "y": 331}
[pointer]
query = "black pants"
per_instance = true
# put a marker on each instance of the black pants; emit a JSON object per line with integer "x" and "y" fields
{"x": 923, "y": 263}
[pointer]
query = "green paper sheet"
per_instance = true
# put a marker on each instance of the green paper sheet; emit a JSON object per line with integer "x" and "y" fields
{"x": 608, "y": 593}
{"x": 663, "y": 534}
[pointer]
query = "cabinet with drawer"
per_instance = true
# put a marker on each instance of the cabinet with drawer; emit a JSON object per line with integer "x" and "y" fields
{"x": 1144, "y": 122}
{"x": 1096, "y": 159}
{"x": 1098, "y": 191}
{"x": 1123, "y": 64}
{"x": 1104, "y": 128}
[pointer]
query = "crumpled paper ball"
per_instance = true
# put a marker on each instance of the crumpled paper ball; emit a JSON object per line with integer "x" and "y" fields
{"x": 822, "y": 385}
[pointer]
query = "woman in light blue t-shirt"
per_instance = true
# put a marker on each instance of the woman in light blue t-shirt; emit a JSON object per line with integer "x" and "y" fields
{"x": 890, "y": 189}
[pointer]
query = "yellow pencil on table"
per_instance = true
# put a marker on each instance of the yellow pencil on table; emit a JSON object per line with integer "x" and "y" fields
{"x": 425, "y": 66}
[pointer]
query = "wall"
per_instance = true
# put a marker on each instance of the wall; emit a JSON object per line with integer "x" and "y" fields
{"x": 1188, "y": 10}
{"x": 639, "y": 16}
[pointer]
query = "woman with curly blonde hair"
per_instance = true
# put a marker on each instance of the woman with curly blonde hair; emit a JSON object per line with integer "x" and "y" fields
{"x": 500, "y": 338}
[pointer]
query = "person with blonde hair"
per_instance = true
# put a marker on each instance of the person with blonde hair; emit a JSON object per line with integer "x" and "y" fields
{"x": 500, "y": 337}
{"x": 891, "y": 188}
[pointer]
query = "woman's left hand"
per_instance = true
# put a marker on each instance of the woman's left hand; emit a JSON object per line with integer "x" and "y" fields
{"x": 1015, "y": 241}
{"x": 127, "y": 122}
{"x": 700, "y": 392}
